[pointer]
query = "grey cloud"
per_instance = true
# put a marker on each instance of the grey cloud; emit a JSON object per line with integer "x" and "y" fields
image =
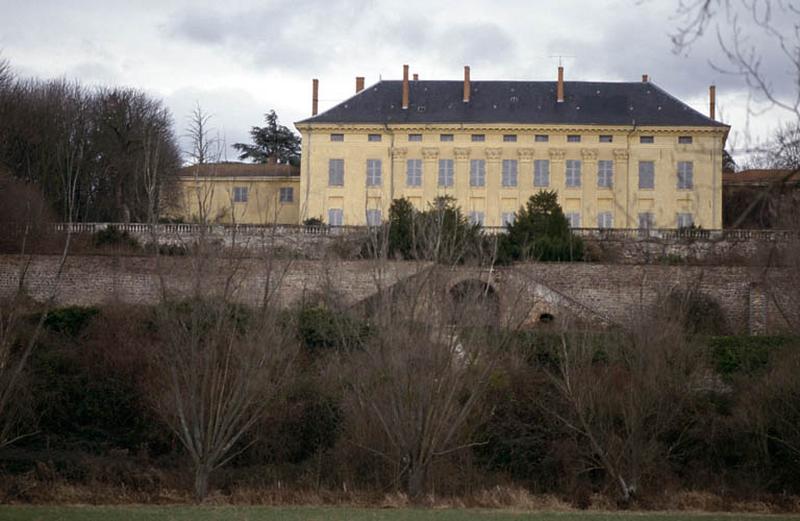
{"x": 199, "y": 28}
{"x": 478, "y": 43}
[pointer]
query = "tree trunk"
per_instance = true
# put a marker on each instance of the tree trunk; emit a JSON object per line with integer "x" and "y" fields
{"x": 201, "y": 473}
{"x": 417, "y": 477}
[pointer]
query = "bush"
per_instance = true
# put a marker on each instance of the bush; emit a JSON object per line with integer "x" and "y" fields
{"x": 71, "y": 320}
{"x": 744, "y": 354}
{"x": 540, "y": 232}
{"x": 700, "y": 313}
{"x": 321, "y": 329}
{"x": 112, "y": 236}
{"x": 313, "y": 222}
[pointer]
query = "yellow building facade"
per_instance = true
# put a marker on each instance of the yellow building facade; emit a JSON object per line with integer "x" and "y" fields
{"x": 239, "y": 193}
{"x": 635, "y": 157}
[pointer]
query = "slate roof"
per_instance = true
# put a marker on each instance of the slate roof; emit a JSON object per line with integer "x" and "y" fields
{"x": 231, "y": 169}
{"x": 525, "y": 102}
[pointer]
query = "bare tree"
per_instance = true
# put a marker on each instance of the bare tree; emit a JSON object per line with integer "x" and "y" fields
{"x": 623, "y": 394}
{"x": 205, "y": 150}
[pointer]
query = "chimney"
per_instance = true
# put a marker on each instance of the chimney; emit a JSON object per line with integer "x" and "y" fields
{"x": 560, "y": 87}
{"x": 359, "y": 84}
{"x": 415, "y": 77}
{"x": 466, "y": 84}
{"x": 314, "y": 96}
{"x": 405, "y": 87}
{"x": 645, "y": 78}
{"x": 712, "y": 102}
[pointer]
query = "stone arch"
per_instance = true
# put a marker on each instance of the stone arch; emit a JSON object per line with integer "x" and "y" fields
{"x": 478, "y": 299}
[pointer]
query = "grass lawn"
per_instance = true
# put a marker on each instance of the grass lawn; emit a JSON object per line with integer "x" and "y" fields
{"x": 180, "y": 513}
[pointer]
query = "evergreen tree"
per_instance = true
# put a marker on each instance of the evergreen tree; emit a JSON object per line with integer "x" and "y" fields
{"x": 273, "y": 143}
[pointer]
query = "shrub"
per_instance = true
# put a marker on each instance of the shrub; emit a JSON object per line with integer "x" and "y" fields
{"x": 313, "y": 222}
{"x": 699, "y": 312}
{"x": 744, "y": 354}
{"x": 321, "y": 329}
{"x": 540, "y": 232}
{"x": 112, "y": 236}
{"x": 70, "y": 320}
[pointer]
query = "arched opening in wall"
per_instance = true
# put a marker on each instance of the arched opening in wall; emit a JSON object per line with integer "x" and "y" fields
{"x": 546, "y": 318}
{"x": 474, "y": 302}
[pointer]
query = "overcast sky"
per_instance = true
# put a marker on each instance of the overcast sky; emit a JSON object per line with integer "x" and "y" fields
{"x": 239, "y": 59}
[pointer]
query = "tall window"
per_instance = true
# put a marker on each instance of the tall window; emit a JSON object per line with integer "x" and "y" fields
{"x": 507, "y": 218}
{"x": 239, "y": 194}
{"x": 477, "y": 172}
{"x": 373, "y": 217}
{"x": 373, "y": 172}
{"x": 476, "y": 218}
{"x": 286, "y": 194}
{"x": 573, "y": 173}
{"x": 374, "y": 137}
{"x": 574, "y": 219}
{"x": 541, "y": 173}
{"x": 445, "y": 173}
{"x": 335, "y": 216}
{"x": 414, "y": 172}
{"x": 647, "y": 175}
{"x": 605, "y": 173}
{"x": 647, "y": 221}
{"x": 685, "y": 175}
{"x": 415, "y": 137}
{"x": 509, "y": 172}
{"x": 605, "y": 220}
{"x": 685, "y": 220}
{"x": 336, "y": 172}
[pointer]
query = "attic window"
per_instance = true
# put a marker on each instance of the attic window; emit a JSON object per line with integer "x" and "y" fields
{"x": 606, "y": 138}
{"x": 374, "y": 137}
{"x": 445, "y": 137}
{"x": 421, "y": 108}
{"x": 685, "y": 140}
{"x": 337, "y": 137}
{"x": 541, "y": 138}
{"x": 478, "y": 137}
{"x": 574, "y": 138}
{"x": 510, "y": 138}
{"x": 647, "y": 140}
{"x": 514, "y": 99}
{"x": 415, "y": 137}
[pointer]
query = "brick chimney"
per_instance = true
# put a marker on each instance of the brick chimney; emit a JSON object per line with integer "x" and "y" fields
{"x": 359, "y": 84}
{"x": 466, "y": 84}
{"x": 560, "y": 86}
{"x": 405, "y": 87}
{"x": 712, "y": 102}
{"x": 415, "y": 77}
{"x": 645, "y": 78}
{"x": 314, "y": 96}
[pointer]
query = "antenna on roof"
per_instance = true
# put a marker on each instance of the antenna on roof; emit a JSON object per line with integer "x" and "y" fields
{"x": 561, "y": 58}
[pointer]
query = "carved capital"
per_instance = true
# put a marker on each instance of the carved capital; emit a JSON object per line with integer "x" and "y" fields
{"x": 461, "y": 153}
{"x": 557, "y": 154}
{"x": 589, "y": 154}
{"x": 399, "y": 152}
{"x": 430, "y": 153}
{"x": 493, "y": 154}
{"x": 621, "y": 154}
{"x": 525, "y": 154}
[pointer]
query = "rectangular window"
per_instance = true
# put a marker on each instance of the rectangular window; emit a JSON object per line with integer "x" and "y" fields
{"x": 647, "y": 140}
{"x": 685, "y": 175}
{"x": 287, "y": 194}
{"x": 507, "y": 218}
{"x": 605, "y": 174}
{"x": 445, "y": 173}
{"x": 605, "y": 220}
{"x": 373, "y": 172}
{"x": 335, "y": 217}
{"x": 476, "y": 218}
{"x": 647, "y": 175}
{"x": 573, "y": 138}
{"x": 373, "y": 217}
{"x": 510, "y": 138}
{"x": 414, "y": 172}
{"x": 685, "y": 220}
{"x": 337, "y": 137}
{"x": 646, "y": 221}
{"x": 445, "y": 137}
{"x": 573, "y": 173}
{"x": 478, "y": 137}
{"x": 336, "y": 172}
{"x": 374, "y": 137}
{"x": 239, "y": 194}
{"x": 574, "y": 219}
{"x": 607, "y": 138}
{"x": 509, "y": 172}
{"x": 685, "y": 140}
{"x": 415, "y": 137}
{"x": 541, "y": 173}
{"x": 477, "y": 173}
{"x": 541, "y": 138}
